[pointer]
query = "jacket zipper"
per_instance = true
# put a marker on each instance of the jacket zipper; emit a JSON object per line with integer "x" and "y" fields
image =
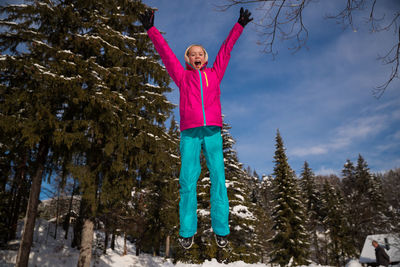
{"x": 202, "y": 98}
{"x": 205, "y": 75}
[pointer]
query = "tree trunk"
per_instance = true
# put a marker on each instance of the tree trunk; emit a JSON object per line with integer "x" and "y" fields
{"x": 57, "y": 211}
{"x": 167, "y": 245}
{"x": 113, "y": 240}
{"x": 29, "y": 225}
{"x": 14, "y": 217}
{"x": 125, "y": 249}
{"x": 85, "y": 253}
{"x": 76, "y": 241}
{"x": 19, "y": 185}
{"x": 137, "y": 248}
{"x": 105, "y": 242}
{"x": 68, "y": 217}
{"x": 317, "y": 248}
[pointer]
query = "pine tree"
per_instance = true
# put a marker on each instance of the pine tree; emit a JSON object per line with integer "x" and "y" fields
{"x": 371, "y": 201}
{"x": 339, "y": 245}
{"x": 89, "y": 82}
{"x": 289, "y": 244}
{"x": 242, "y": 218}
{"x": 391, "y": 188}
{"x": 162, "y": 185}
{"x": 313, "y": 202}
{"x": 349, "y": 178}
{"x": 169, "y": 212}
{"x": 365, "y": 203}
{"x": 15, "y": 185}
{"x": 262, "y": 197}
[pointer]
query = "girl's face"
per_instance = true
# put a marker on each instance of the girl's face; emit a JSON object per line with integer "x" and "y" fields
{"x": 196, "y": 57}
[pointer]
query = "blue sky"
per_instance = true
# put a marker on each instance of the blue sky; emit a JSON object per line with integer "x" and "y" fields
{"x": 319, "y": 98}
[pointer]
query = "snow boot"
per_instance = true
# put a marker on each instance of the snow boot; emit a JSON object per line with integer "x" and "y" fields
{"x": 222, "y": 241}
{"x": 186, "y": 242}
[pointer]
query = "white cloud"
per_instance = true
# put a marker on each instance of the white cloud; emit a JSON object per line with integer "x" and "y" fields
{"x": 360, "y": 128}
{"x": 396, "y": 135}
{"x": 314, "y": 150}
{"x": 326, "y": 171}
{"x": 345, "y": 135}
{"x": 396, "y": 114}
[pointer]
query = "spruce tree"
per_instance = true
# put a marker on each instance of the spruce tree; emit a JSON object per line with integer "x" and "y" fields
{"x": 162, "y": 184}
{"x": 351, "y": 193}
{"x": 349, "y": 178}
{"x": 371, "y": 202}
{"x": 262, "y": 198}
{"x": 391, "y": 188}
{"x": 169, "y": 209}
{"x": 242, "y": 211}
{"x": 289, "y": 243}
{"x": 365, "y": 202}
{"x": 88, "y": 82}
{"x": 338, "y": 244}
{"x": 313, "y": 202}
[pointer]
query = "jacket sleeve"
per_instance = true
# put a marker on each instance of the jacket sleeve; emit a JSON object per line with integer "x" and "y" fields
{"x": 386, "y": 256}
{"x": 224, "y": 54}
{"x": 171, "y": 62}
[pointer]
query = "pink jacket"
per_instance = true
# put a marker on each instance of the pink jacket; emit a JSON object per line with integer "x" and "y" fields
{"x": 199, "y": 103}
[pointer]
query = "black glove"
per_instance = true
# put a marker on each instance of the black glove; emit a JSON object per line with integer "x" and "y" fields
{"x": 244, "y": 17}
{"x": 147, "y": 19}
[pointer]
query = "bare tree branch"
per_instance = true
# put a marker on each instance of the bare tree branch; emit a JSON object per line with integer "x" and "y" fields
{"x": 284, "y": 19}
{"x": 281, "y": 18}
{"x": 394, "y": 60}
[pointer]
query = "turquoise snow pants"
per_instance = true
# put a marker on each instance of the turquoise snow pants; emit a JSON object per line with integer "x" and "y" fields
{"x": 192, "y": 140}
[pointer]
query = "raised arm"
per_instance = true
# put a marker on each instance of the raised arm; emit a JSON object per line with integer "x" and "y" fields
{"x": 224, "y": 54}
{"x": 171, "y": 62}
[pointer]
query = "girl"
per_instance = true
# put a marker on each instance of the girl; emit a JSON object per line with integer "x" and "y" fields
{"x": 200, "y": 125}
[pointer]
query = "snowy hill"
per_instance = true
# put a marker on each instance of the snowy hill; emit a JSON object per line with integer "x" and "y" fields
{"x": 47, "y": 251}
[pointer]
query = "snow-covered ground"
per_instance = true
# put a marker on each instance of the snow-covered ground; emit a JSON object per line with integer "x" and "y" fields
{"x": 47, "y": 251}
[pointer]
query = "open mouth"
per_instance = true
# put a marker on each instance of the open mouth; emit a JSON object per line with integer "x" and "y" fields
{"x": 197, "y": 63}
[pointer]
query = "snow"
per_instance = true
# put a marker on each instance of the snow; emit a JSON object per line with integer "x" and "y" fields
{"x": 66, "y": 52}
{"x": 353, "y": 263}
{"x": 38, "y": 42}
{"x": 174, "y": 156}
{"x": 89, "y": 37}
{"x": 43, "y": 70}
{"x": 154, "y": 136}
{"x": 21, "y": 5}
{"x": 239, "y": 197}
{"x": 242, "y": 211}
{"x": 154, "y": 86}
{"x": 47, "y": 251}
{"x": 203, "y": 212}
{"x": 8, "y": 23}
{"x": 120, "y": 96}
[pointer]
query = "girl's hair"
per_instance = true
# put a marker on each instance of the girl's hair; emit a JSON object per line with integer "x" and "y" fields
{"x": 190, "y": 46}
